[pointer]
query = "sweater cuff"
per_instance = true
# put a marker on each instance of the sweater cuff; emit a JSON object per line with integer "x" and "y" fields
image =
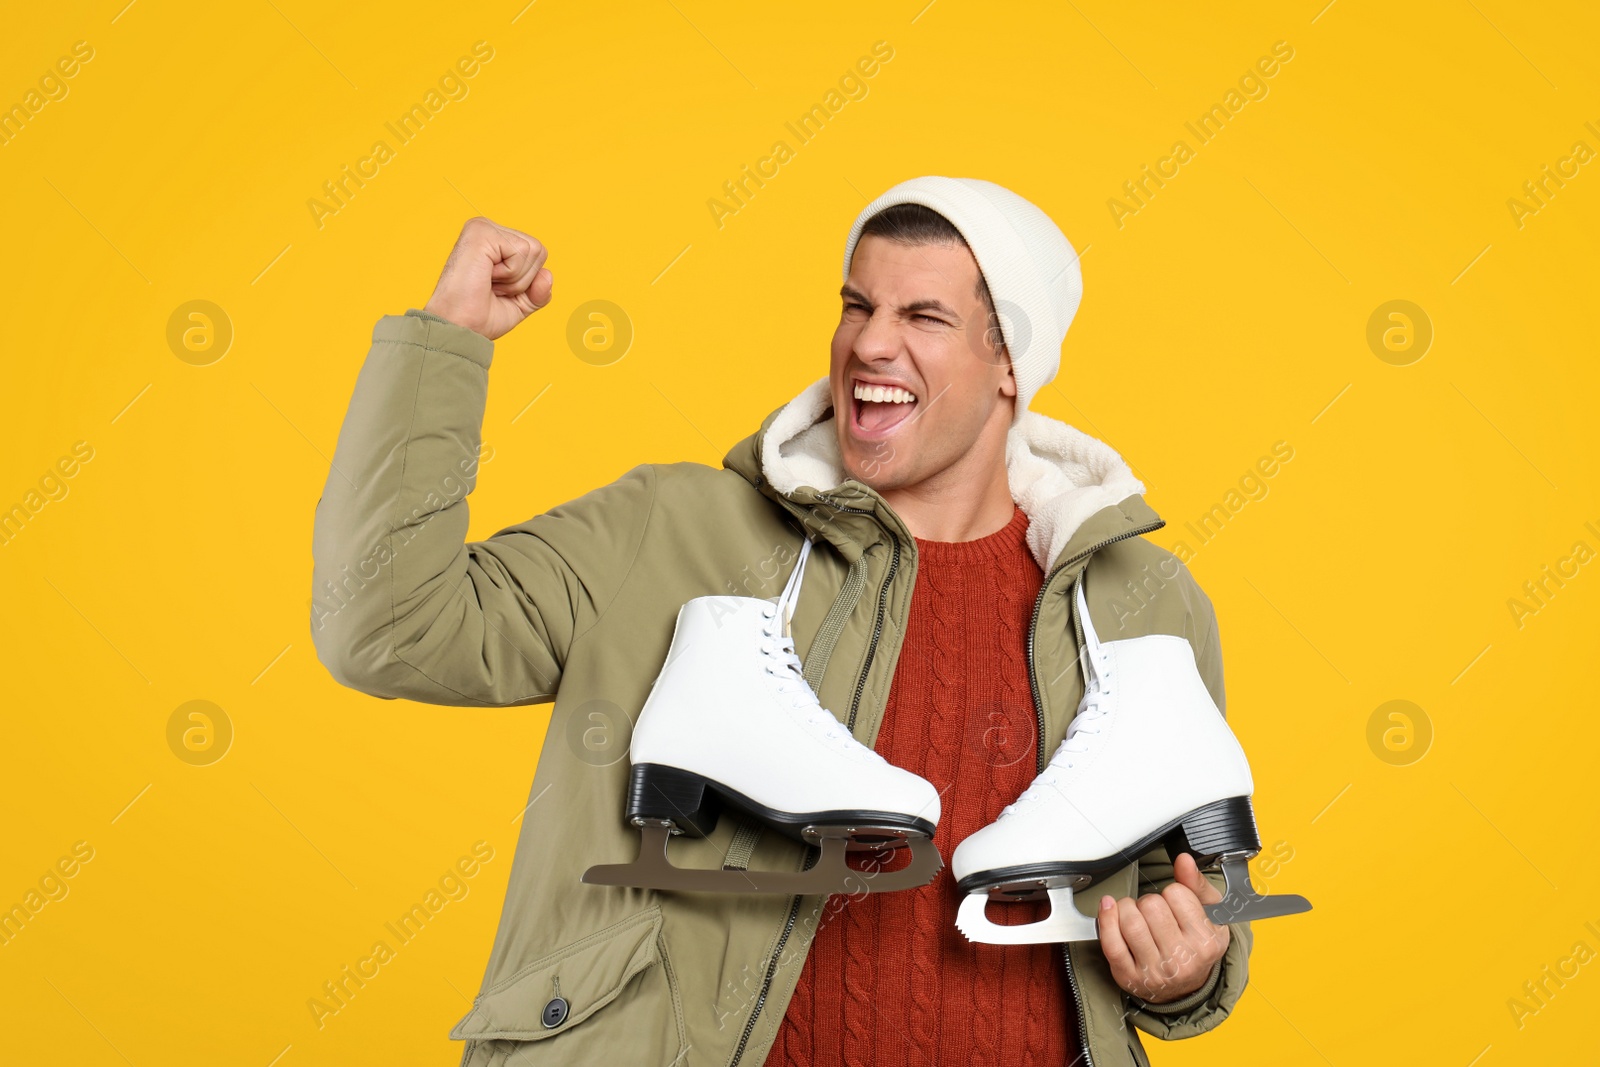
{"x": 429, "y": 331}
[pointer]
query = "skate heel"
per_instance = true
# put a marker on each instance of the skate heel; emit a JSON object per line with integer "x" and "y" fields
{"x": 658, "y": 794}
{"x": 1224, "y": 834}
{"x": 1208, "y": 832}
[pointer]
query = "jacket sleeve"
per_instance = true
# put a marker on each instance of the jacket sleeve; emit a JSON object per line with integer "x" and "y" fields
{"x": 1207, "y": 1006}
{"x": 402, "y": 605}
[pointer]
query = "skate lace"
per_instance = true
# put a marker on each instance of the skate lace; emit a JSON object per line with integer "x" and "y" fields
{"x": 783, "y": 662}
{"x": 1085, "y": 724}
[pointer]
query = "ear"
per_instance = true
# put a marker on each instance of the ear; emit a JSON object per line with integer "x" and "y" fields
{"x": 1008, "y": 383}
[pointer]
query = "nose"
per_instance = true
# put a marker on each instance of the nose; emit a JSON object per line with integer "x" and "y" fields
{"x": 879, "y": 340}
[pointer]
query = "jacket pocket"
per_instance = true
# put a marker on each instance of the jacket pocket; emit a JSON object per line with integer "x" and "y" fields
{"x": 551, "y": 1010}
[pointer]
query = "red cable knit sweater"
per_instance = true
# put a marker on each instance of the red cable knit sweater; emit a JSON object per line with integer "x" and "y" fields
{"x": 889, "y": 979}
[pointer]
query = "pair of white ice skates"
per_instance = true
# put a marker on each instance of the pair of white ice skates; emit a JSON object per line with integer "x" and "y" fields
{"x": 731, "y": 722}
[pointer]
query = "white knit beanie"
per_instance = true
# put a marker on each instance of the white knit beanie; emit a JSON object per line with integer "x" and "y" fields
{"x": 1028, "y": 263}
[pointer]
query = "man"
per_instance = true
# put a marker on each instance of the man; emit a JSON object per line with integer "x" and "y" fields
{"x": 950, "y": 525}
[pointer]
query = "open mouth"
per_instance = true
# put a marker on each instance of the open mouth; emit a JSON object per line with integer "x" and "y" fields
{"x": 878, "y": 408}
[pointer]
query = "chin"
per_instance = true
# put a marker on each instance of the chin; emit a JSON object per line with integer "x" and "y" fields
{"x": 875, "y": 475}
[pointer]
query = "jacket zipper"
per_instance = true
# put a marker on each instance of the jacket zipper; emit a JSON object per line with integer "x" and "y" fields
{"x": 766, "y": 982}
{"x": 1038, "y": 707}
{"x": 794, "y": 907}
{"x": 877, "y": 629}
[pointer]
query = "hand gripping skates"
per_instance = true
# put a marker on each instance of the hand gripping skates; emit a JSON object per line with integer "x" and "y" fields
{"x": 731, "y": 722}
{"x": 1148, "y": 760}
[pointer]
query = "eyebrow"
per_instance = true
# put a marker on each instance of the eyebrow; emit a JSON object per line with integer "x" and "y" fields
{"x": 859, "y": 297}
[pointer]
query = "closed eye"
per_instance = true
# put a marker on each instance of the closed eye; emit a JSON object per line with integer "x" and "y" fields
{"x": 862, "y": 307}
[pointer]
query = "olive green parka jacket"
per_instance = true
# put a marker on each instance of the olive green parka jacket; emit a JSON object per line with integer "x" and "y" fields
{"x": 577, "y": 605}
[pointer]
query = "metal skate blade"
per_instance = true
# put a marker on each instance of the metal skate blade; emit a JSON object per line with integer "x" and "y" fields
{"x": 1243, "y": 909}
{"x": 885, "y": 842}
{"x": 1241, "y": 903}
{"x": 829, "y": 875}
{"x": 1065, "y": 923}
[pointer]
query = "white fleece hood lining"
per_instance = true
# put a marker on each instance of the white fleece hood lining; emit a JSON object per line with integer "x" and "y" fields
{"x": 1058, "y": 474}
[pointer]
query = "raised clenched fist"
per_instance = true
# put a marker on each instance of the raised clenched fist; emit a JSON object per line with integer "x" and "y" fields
{"x": 495, "y": 277}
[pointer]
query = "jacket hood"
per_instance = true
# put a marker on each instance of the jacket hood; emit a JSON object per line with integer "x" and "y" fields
{"x": 1058, "y": 475}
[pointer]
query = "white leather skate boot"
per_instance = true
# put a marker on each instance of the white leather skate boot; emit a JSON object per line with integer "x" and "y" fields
{"x": 731, "y": 722}
{"x": 1148, "y": 760}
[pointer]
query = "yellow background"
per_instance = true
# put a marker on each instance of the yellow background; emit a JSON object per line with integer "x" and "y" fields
{"x": 1227, "y": 314}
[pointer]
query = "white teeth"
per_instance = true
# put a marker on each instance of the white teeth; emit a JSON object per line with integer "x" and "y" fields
{"x": 884, "y": 394}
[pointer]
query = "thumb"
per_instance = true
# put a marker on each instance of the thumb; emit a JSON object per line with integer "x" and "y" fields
{"x": 1187, "y": 872}
{"x": 538, "y": 293}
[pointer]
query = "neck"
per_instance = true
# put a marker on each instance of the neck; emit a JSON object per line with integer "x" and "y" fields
{"x": 967, "y": 500}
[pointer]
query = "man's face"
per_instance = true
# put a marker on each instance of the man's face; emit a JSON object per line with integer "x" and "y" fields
{"x": 912, "y": 319}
